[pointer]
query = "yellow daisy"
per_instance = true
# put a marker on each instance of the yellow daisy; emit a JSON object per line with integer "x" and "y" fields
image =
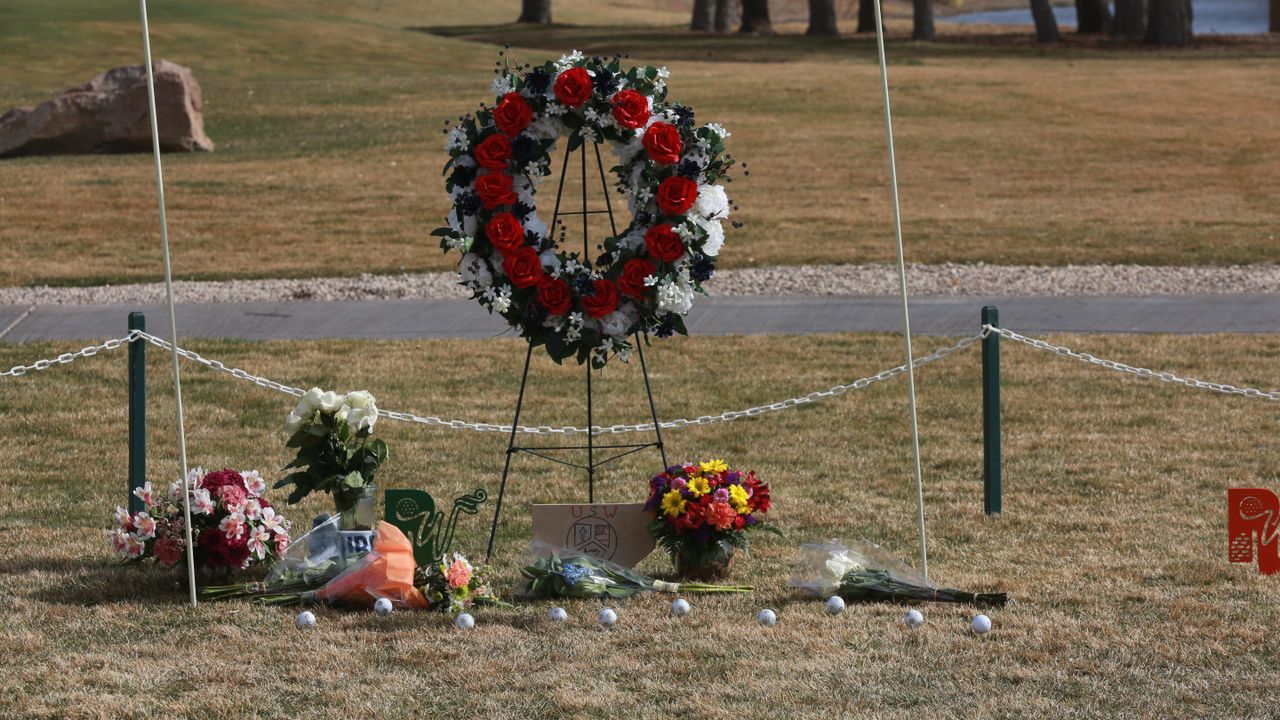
{"x": 738, "y": 498}
{"x": 673, "y": 503}
{"x": 699, "y": 486}
{"x": 713, "y": 466}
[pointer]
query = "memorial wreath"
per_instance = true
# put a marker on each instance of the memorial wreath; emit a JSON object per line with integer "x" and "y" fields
{"x": 667, "y": 167}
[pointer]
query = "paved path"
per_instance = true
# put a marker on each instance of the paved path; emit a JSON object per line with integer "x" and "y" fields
{"x": 409, "y": 319}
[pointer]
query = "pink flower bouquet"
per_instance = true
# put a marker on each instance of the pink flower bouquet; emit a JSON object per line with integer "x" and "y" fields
{"x": 232, "y": 524}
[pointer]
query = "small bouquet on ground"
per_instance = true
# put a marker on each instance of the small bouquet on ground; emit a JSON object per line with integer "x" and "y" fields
{"x": 336, "y": 452}
{"x": 455, "y": 585}
{"x": 703, "y": 511}
{"x": 565, "y": 573}
{"x": 866, "y": 572}
{"x": 314, "y": 570}
{"x": 232, "y": 525}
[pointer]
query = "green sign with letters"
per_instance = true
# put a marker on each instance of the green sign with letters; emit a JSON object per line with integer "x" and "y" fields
{"x": 415, "y": 513}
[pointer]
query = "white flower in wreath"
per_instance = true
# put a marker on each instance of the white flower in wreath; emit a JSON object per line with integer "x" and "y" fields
{"x": 566, "y": 61}
{"x": 457, "y": 139}
{"x": 712, "y": 202}
{"x": 465, "y": 225}
{"x": 546, "y": 128}
{"x": 617, "y": 323}
{"x": 674, "y": 298}
{"x": 502, "y": 85}
{"x": 523, "y": 189}
{"x": 715, "y": 236}
{"x": 474, "y": 272}
{"x": 502, "y": 302}
{"x": 718, "y": 129}
{"x": 550, "y": 261}
{"x": 632, "y": 241}
{"x": 534, "y": 224}
{"x": 202, "y": 502}
{"x": 628, "y": 150}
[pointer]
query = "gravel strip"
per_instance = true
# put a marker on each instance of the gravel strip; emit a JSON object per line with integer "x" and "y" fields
{"x": 947, "y": 279}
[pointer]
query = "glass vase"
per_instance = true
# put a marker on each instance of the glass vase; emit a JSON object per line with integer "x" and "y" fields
{"x": 362, "y": 514}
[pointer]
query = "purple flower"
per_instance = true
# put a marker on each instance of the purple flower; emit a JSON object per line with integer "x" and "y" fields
{"x": 679, "y": 484}
{"x": 722, "y": 495}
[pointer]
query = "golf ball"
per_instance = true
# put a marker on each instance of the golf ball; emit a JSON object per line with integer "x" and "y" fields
{"x": 306, "y": 619}
{"x": 981, "y": 624}
{"x": 680, "y": 607}
{"x": 607, "y": 618}
{"x": 382, "y": 606}
{"x": 913, "y": 619}
{"x": 558, "y": 614}
{"x": 767, "y": 617}
{"x": 835, "y": 605}
{"x": 464, "y": 622}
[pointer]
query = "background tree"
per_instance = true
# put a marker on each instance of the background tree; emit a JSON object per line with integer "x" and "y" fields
{"x": 1275, "y": 16}
{"x": 1046, "y": 23}
{"x": 535, "y": 11}
{"x": 922, "y": 20}
{"x": 1092, "y": 16}
{"x": 701, "y": 21}
{"x": 866, "y": 16}
{"x": 1169, "y": 22}
{"x": 724, "y": 15}
{"x": 1131, "y": 18}
{"x": 755, "y": 17}
{"x": 822, "y": 18}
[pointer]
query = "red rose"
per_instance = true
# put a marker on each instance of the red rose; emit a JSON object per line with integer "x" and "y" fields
{"x": 630, "y": 109}
{"x": 663, "y": 243}
{"x": 555, "y": 296}
{"x": 633, "y": 275}
{"x": 603, "y": 301}
{"x": 523, "y": 267}
{"x": 504, "y": 232}
{"x": 662, "y": 142}
{"x": 675, "y": 194}
{"x": 494, "y": 189}
{"x": 573, "y": 86}
{"x": 493, "y": 152}
{"x": 513, "y": 114}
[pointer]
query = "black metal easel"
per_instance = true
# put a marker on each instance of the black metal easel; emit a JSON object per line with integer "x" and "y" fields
{"x": 591, "y": 447}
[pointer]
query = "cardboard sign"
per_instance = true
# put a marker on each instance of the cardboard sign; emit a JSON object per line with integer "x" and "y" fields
{"x": 610, "y": 532}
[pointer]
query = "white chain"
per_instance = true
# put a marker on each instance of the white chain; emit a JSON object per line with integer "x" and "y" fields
{"x": 1140, "y": 372}
{"x": 729, "y": 416}
{"x": 67, "y": 358}
{"x": 595, "y": 429}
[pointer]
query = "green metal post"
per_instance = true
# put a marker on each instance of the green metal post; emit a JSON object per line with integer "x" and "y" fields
{"x": 991, "y": 493}
{"x": 137, "y": 411}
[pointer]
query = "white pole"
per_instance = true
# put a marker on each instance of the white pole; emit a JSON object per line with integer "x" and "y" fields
{"x": 168, "y": 286}
{"x": 902, "y": 283}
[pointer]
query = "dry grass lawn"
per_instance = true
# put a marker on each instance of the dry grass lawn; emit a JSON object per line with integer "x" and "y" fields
{"x": 1112, "y": 543}
{"x": 327, "y": 118}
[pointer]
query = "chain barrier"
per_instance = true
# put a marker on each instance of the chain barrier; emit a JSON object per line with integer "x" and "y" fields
{"x": 729, "y": 416}
{"x": 1140, "y": 372}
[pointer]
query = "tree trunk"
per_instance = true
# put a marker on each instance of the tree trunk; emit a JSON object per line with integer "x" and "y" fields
{"x": 1275, "y": 16}
{"x": 535, "y": 11}
{"x": 922, "y": 20}
{"x": 755, "y": 17}
{"x": 867, "y": 16}
{"x": 1131, "y": 18}
{"x": 724, "y": 15}
{"x": 1092, "y": 16}
{"x": 1046, "y": 23}
{"x": 701, "y": 21}
{"x": 1169, "y": 22}
{"x": 822, "y": 18}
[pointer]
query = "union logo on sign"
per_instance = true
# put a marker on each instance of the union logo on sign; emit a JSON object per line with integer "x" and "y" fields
{"x": 1253, "y": 521}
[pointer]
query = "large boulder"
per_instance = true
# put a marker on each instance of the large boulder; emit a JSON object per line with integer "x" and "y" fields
{"x": 109, "y": 114}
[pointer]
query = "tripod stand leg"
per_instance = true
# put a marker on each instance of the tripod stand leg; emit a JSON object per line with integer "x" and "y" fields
{"x": 591, "y": 443}
{"x": 653, "y": 409}
{"x": 511, "y": 450}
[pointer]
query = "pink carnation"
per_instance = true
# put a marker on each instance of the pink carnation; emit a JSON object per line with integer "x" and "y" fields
{"x": 458, "y": 574}
{"x": 233, "y": 496}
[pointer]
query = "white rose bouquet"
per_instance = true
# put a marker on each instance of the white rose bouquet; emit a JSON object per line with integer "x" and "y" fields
{"x": 336, "y": 451}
